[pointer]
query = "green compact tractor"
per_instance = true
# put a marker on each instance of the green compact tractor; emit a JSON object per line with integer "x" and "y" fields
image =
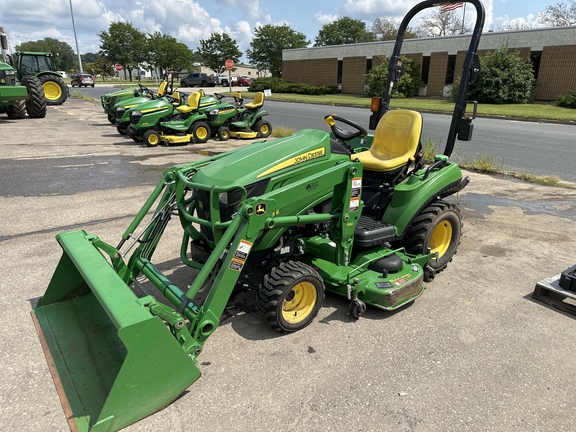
{"x": 193, "y": 122}
{"x": 18, "y": 98}
{"x": 356, "y": 215}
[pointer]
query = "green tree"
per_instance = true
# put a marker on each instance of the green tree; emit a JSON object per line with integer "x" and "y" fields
{"x": 89, "y": 57}
{"x": 408, "y": 84}
{"x": 268, "y": 43}
{"x": 63, "y": 57}
{"x": 385, "y": 29}
{"x": 218, "y": 48}
{"x": 124, "y": 44}
{"x": 168, "y": 54}
{"x": 559, "y": 15}
{"x": 101, "y": 67}
{"x": 505, "y": 77}
{"x": 343, "y": 31}
{"x": 443, "y": 24}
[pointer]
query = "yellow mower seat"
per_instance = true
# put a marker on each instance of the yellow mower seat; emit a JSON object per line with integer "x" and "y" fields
{"x": 257, "y": 102}
{"x": 396, "y": 140}
{"x": 193, "y": 103}
{"x": 162, "y": 88}
{"x": 177, "y": 99}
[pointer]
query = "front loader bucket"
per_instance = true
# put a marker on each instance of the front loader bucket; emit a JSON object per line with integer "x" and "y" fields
{"x": 112, "y": 361}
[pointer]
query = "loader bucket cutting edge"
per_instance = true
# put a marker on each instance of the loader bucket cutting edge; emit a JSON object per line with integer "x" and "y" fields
{"x": 112, "y": 361}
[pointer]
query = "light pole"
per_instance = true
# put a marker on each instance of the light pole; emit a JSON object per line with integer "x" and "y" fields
{"x": 76, "y": 38}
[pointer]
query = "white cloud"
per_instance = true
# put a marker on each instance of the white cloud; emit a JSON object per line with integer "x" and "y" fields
{"x": 325, "y": 18}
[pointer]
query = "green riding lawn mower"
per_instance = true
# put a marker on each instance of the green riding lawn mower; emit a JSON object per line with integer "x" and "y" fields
{"x": 196, "y": 123}
{"x": 109, "y": 101}
{"x": 357, "y": 215}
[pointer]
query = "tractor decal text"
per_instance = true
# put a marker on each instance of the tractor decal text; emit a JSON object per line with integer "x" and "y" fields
{"x": 355, "y": 194}
{"x": 301, "y": 158}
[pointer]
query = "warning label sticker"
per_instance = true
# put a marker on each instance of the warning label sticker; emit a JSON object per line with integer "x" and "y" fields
{"x": 240, "y": 255}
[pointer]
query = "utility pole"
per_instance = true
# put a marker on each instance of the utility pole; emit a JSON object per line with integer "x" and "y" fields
{"x": 76, "y": 38}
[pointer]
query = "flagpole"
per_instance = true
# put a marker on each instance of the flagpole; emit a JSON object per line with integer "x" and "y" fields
{"x": 463, "y": 18}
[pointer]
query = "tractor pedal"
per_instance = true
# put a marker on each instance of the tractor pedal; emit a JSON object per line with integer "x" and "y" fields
{"x": 371, "y": 232}
{"x": 558, "y": 291}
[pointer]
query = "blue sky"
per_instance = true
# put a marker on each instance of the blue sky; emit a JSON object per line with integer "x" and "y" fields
{"x": 190, "y": 21}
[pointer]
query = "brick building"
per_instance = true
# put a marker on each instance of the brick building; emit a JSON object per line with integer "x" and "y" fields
{"x": 552, "y": 51}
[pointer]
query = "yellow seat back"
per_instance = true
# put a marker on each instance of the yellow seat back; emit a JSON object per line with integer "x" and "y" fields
{"x": 396, "y": 140}
{"x": 162, "y": 88}
{"x": 193, "y": 103}
{"x": 257, "y": 102}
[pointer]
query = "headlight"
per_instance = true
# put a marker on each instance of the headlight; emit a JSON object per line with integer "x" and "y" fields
{"x": 120, "y": 112}
{"x": 213, "y": 112}
{"x": 135, "y": 117}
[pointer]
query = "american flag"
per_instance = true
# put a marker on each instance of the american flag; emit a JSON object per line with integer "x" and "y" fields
{"x": 450, "y": 7}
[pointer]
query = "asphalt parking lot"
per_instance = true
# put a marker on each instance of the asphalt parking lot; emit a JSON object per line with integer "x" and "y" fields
{"x": 474, "y": 353}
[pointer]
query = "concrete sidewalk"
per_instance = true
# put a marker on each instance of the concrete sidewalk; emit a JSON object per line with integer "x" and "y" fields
{"x": 473, "y": 353}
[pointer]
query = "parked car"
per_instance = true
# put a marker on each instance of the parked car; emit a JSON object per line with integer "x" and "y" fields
{"x": 220, "y": 79}
{"x": 243, "y": 81}
{"x": 199, "y": 79}
{"x": 82, "y": 80}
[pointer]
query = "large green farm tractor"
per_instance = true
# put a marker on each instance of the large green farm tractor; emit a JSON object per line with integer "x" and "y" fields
{"x": 38, "y": 64}
{"x": 18, "y": 97}
{"x": 358, "y": 215}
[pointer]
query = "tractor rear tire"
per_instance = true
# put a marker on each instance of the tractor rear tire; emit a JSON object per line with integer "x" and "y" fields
{"x": 290, "y": 297}
{"x": 16, "y": 110}
{"x": 438, "y": 227}
{"x": 36, "y": 101}
{"x": 55, "y": 89}
{"x": 263, "y": 128}
{"x": 200, "y": 132}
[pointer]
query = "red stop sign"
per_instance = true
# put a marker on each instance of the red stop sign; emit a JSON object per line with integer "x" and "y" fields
{"x": 118, "y": 67}
{"x": 229, "y": 64}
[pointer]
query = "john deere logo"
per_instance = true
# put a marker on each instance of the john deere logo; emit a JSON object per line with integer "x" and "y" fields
{"x": 260, "y": 209}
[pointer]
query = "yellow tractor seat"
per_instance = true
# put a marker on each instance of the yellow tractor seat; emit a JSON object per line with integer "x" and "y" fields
{"x": 177, "y": 99}
{"x": 193, "y": 104}
{"x": 257, "y": 102}
{"x": 162, "y": 88}
{"x": 396, "y": 140}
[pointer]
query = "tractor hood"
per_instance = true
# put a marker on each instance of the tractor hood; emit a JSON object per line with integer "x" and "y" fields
{"x": 274, "y": 158}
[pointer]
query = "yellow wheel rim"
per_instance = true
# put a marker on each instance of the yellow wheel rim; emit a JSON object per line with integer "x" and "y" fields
{"x": 299, "y": 302}
{"x": 202, "y": 133}
{"x": 52, "y": 90}
{"x": 153, "y": 139}
{"x": 441, "y": 238}
{"x": 264, "y": 129}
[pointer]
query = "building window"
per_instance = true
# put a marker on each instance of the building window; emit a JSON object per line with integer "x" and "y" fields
{"x": 535, "y": 58}
{"x": 450, "y": 69}
{"x": 425, "y": 68}
{"x": 368, "y": 65}
{"x": 339, "y": 78}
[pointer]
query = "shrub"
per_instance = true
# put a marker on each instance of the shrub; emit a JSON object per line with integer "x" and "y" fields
{"x": 505, "y": 77}
{"x": 568, "y": 100}
{"x": 407, "y": 85}
{"x": 278, "y": 85}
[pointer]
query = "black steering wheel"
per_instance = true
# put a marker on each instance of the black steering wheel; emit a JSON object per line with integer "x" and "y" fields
{"x": 219, "y": 96}
{"x": 143, "y": 89}
{"x": 344, "y": 134}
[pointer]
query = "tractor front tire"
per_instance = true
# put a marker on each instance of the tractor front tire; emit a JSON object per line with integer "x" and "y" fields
{"x": 200, "y": 132}
{"x": 122, "y": 128}
{"x": 290, "y": 297}
{"x": 223, "y": 133}
{"x": 151, "y": 138}
{"x": 438, "y": 227}
{"x": 55, "y": 89}
{"x": 263, "y": 128}
{"x": 16, "y": 110}
{"x": 35, "y": 101}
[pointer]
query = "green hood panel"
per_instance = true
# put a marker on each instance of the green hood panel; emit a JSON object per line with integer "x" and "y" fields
{"x": 257, "y": 161}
